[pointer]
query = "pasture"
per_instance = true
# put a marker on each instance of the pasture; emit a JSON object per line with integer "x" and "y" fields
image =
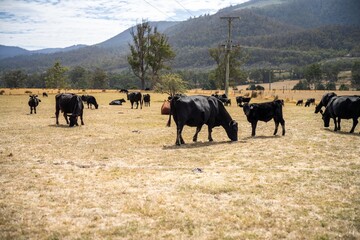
{"x": 120, "y": 176}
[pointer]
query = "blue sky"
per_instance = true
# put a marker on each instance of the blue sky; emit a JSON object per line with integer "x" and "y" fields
{"x": 38, "y": 24}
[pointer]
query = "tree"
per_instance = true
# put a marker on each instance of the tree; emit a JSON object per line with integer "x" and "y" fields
{"x": 99, "y": 79}
{"x": 78, "y": 78}
{"x": 313, "y": 73}
{"x": 237, "y": 76}
{"x": 14, "y": 79}
{"x": 171, "y": 84}
{"x": 159, "y": 53}
{"x": 139, "y": 51}
{"x": 355, "y": 72}
{"x": 55, "y": 76}
{"x": 149, "y": 53}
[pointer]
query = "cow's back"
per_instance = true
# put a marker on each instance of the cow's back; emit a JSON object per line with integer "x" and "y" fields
{"x": 345, "y": 107}
{"x": 191, "y": 110}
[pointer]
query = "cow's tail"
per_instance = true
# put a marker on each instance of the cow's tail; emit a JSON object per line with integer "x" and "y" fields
{"x": 170, "y": 111}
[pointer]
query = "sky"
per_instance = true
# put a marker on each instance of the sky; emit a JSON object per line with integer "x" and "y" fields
{"x": 39, "y": 24}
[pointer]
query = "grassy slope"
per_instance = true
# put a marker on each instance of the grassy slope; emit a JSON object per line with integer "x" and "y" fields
{"x": 120, "y": 176}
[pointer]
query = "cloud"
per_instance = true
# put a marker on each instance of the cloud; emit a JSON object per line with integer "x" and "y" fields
{"x": 53, "y": 23}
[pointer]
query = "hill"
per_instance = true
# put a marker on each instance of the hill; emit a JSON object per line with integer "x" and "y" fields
{"x": 277, "y": 33}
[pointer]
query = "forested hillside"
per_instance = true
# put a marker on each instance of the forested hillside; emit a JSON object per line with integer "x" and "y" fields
{"x": 276, "y": 33}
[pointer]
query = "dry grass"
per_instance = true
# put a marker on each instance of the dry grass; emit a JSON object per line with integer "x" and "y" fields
{"x": 120, "y": 176}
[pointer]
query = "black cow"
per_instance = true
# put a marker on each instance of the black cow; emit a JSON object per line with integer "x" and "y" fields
{"x": 117, "y": 102}
{"x": 45, "y": 94}
{"x": 265, "y": 112}
{"x": 300, "y": 102}
{"x": 240, "y": 100}
{"x": 309, "y": 101}
{"x": 324, "y": 101}
{"x": 90, "y": 100}
{"x": 33, "y": 103}
{"x": 195, "y": 111}
{"x": 123, "y": 90}
{"x": 135, "y": 97}
{"x": 223, "y": 98}
{"x": 342, "y": 107}
{"x": 146, "y": 100}
{"x": 72, "y": 104}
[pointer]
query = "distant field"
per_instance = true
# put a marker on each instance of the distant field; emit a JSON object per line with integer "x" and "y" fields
{"x": 120, "y": 176}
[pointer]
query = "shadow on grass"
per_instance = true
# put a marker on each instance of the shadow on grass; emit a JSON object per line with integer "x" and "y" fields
{"x": 60, "y": 126}
{"x": 342, "y": 132}
{"x": 198, "y": 144}
{"x": 263, "y": 137}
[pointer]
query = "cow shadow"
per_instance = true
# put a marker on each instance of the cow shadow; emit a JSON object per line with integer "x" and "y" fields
{"x": 59, "y": 126}
{"x": 343, "y": 132}
{"x": 263, "y": 137}
{"x": 197, "y": 145}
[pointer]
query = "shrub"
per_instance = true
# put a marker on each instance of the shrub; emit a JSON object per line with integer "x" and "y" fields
{"x": 2, "y": 92}
{"x": 28, "y": 92}
{"x": 302, "y": 85}
{"x": 343, "y": 87}
{"x": 320, "y": 86}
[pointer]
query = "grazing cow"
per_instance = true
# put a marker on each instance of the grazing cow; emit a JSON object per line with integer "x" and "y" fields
{"x": 124, "y": 90}
{"x": 265, "y": 112}
{"x": 72, "y": 104}
{"x": 146, "y": 100}
{"x": 33, "y": 103}
{"x": 300, "y": 102}
{"x": 90, "y": 100}
{"x": 135, "y": 97}
{"x": 195, "y": 111}
{"x": 342, "y": 107}
{"x": 324, "y": 101}
{"x": 309, "y": 101}
{"x": 117, "y": 102}
{"x": 45, "y": 94}
{"x": 240, "y": 100}
{"x": 223, "y": 98}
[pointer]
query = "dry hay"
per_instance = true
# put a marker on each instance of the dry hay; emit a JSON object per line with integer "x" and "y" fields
{"x": 120, "y": 176}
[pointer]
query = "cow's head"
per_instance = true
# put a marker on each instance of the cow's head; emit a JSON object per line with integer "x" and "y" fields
{"x": 248, "y": 108}
{"x": 73, "y": 120}
{"x": 325, "y": 117}
{"x": 232, "y": 130}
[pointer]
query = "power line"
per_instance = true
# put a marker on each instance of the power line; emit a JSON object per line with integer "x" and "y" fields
{"x": 159, "y": 10}
{"x": 184, "y": 8}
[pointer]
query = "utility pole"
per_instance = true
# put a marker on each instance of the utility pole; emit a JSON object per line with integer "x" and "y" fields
{"x": 228, "y": 48}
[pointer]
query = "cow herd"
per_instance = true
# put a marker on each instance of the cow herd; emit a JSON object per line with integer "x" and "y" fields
{"x": 195, "y": 111}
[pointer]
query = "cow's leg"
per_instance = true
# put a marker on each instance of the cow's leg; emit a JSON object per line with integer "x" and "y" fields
{"x": 57, "y": 117}
{"x": 282, "y": 122}
{"x": 209, "y": 133}
{"x": 338, "y": 125}
{"x": 198, "y": 129}
{"x": 137, "y": 105}
{"x": 335, "y": 123}
{"x": 35, "y": 110}
{"x": 276, "y": 126}
{"x": 253, "y": 127}
{"x": 31, "y": 110}
{"x": 179, "y": 139}
{"x": 81, "y": 118}
{"x": 66, "y": 118}
{"x": 355, "y": 122}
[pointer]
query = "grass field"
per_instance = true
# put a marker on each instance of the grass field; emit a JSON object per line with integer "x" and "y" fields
{"x": 120, "y": 176}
